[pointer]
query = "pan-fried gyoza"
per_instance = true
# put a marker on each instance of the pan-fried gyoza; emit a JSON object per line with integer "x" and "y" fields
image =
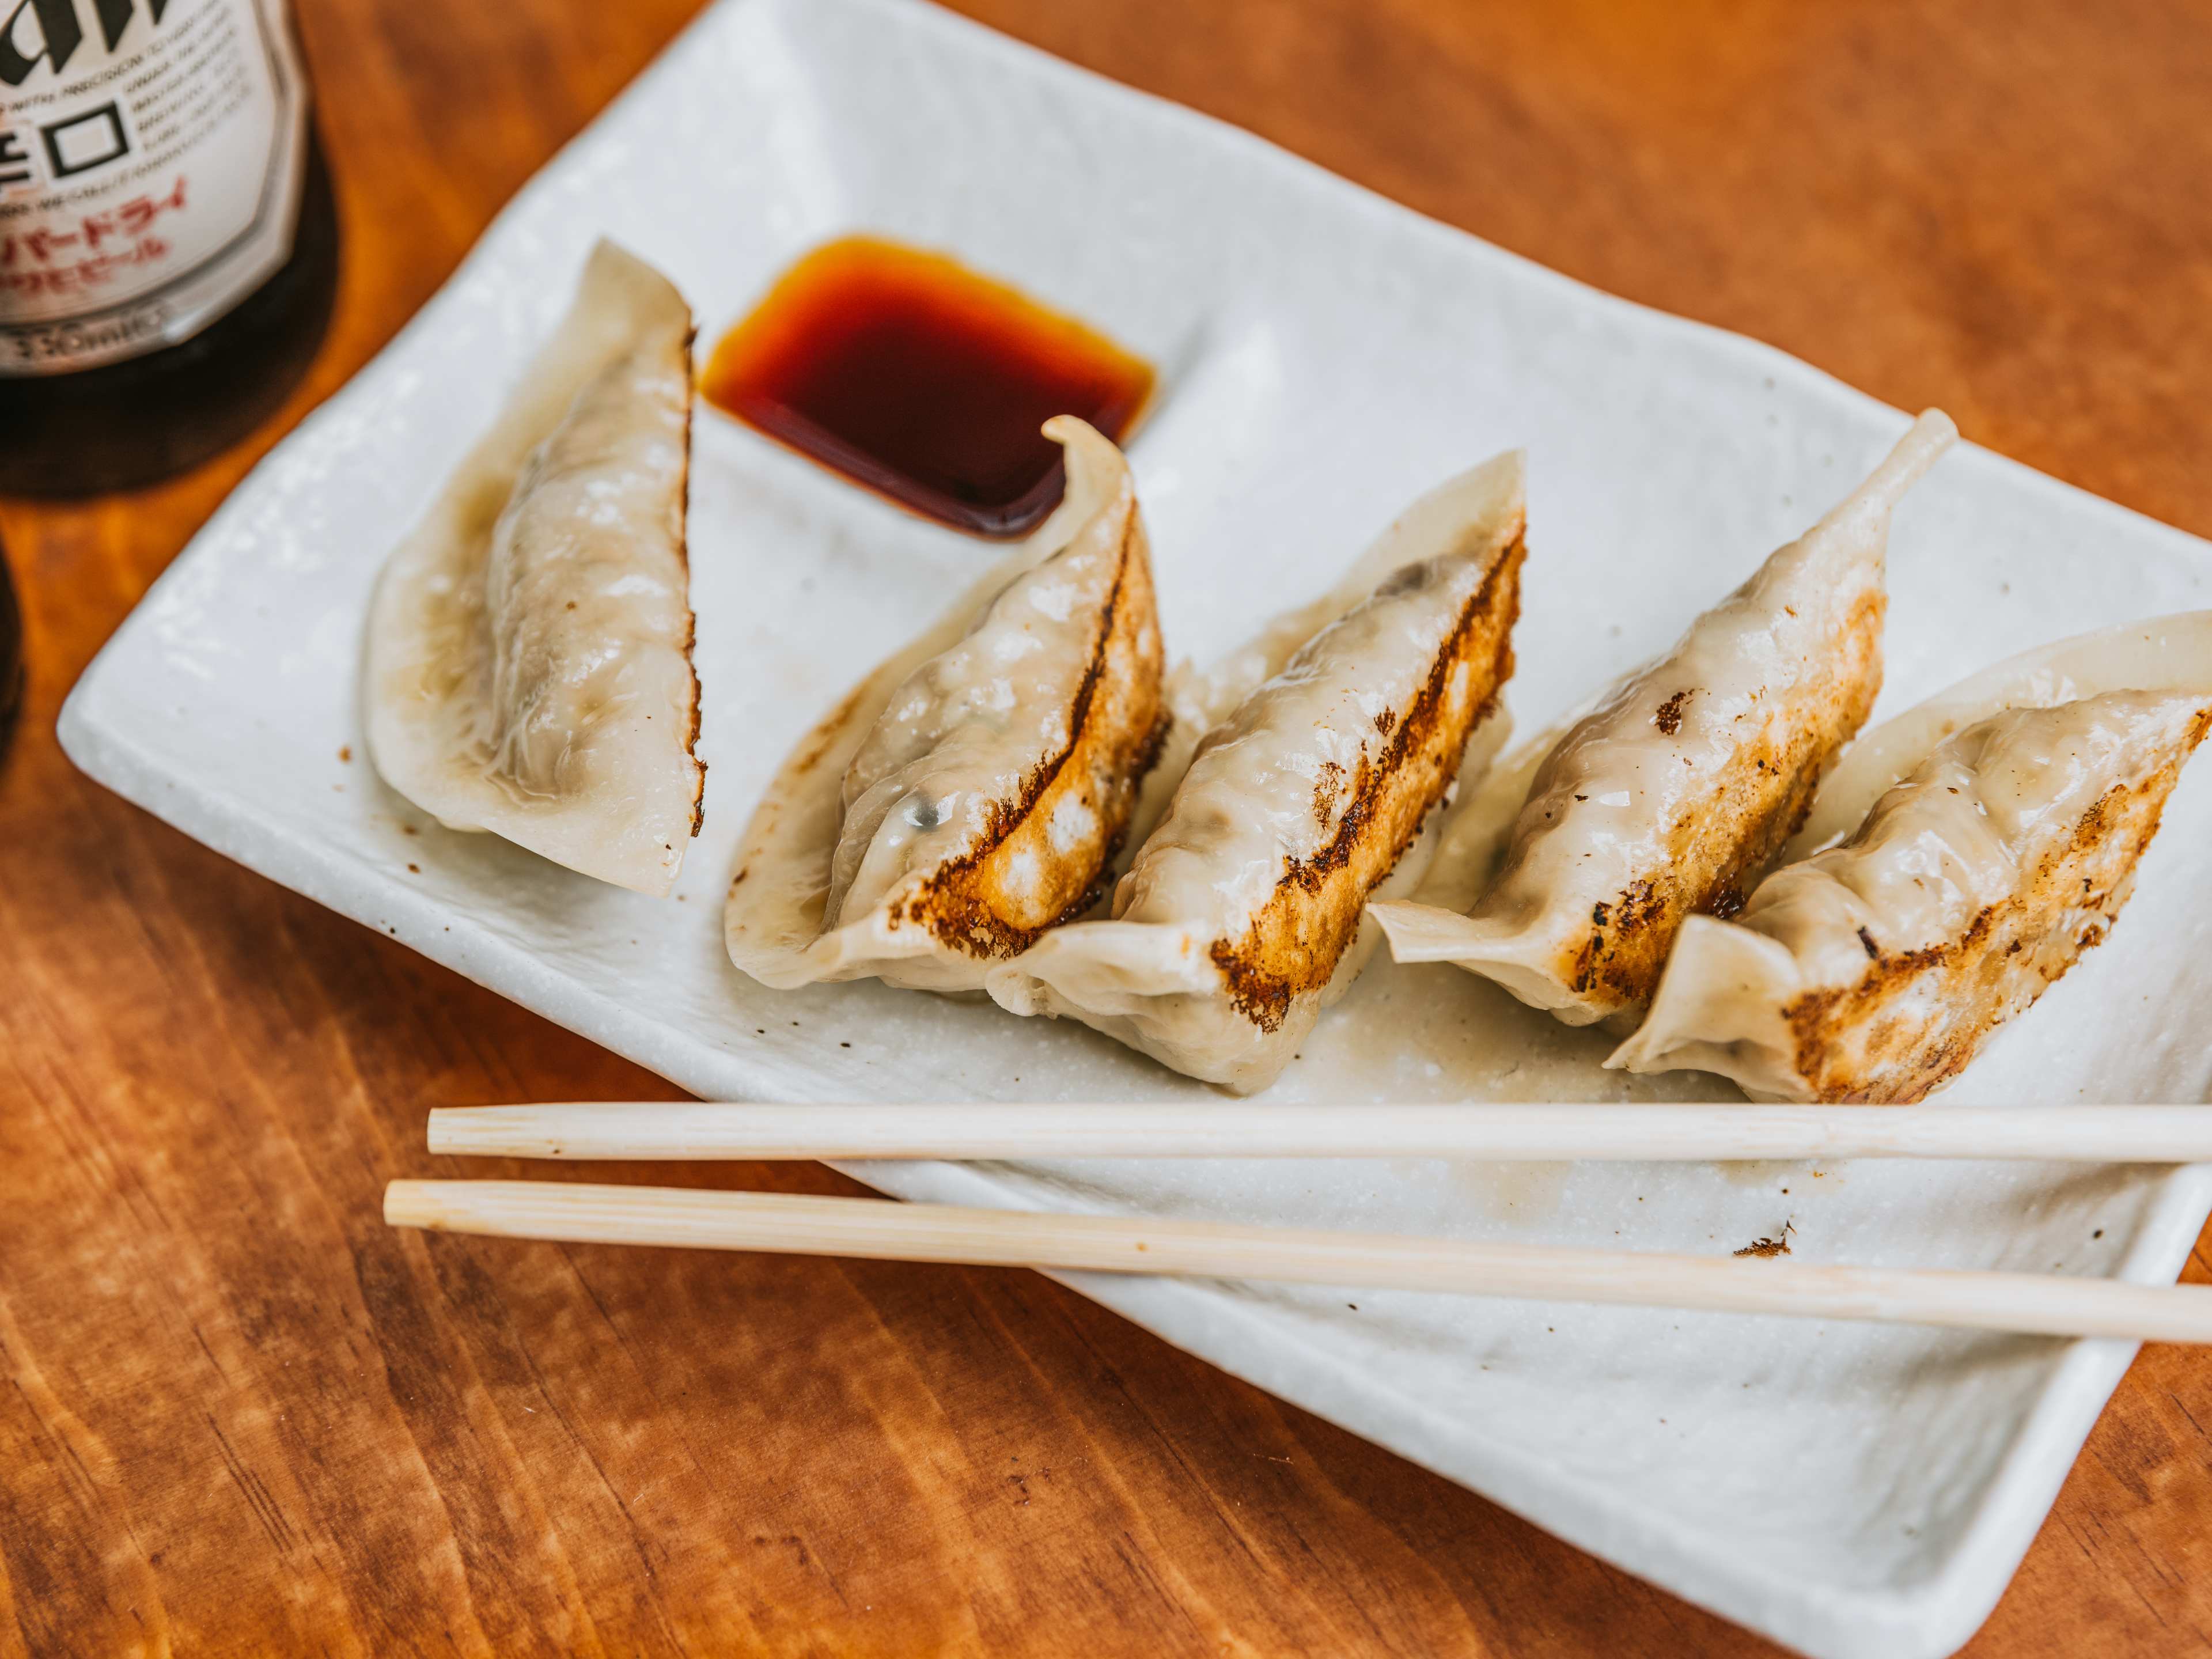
{"x": 1241, "y": 916}
{"x": 1679, "y": 789}
{"x": 1873, "y": 971}
{"x": 971, "y": 793}
{"x": 530, "y": 646}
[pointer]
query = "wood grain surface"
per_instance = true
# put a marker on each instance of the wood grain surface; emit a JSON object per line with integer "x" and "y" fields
{"x": 241, "y": 1417}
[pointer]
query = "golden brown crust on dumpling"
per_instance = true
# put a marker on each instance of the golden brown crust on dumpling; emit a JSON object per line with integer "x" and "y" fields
{"x": 1917, "y": 1016}
{"x": 1720, "y": 844}
{"x": 1044, "y": 856}
{"x": 691, "y": 626}
{"x": 1295, "y": 939}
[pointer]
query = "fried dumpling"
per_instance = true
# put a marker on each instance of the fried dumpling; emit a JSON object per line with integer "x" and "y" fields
{"x": 1240, "y": 917}
{"x": 1678, "y": 790}
{"x": 529, "y": 666}
{"x": 972, "y": 792}
{"x": 1873, "y": 971}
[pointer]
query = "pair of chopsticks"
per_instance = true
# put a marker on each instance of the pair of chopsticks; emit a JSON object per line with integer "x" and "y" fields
{"x": 2055, "y": 1305}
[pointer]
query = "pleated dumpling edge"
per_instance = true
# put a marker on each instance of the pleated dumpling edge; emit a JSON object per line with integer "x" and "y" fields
{"x": 1679, "y": 789}
{"x": 1350, "y": 722}
{"x": 971, "y": 791}
{"x": 1960, "y": 859}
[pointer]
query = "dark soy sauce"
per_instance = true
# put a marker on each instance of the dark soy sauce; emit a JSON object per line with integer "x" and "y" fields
{"x": 913, "y": 375}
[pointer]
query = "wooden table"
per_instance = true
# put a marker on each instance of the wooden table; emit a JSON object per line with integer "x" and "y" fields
{"x": 243, "y": 1417}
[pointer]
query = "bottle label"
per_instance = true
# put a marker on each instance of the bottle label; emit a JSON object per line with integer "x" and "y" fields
{"x": 151, "y": 156}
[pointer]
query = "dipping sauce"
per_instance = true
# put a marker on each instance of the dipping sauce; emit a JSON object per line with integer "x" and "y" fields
{"x": 912, "y": 374}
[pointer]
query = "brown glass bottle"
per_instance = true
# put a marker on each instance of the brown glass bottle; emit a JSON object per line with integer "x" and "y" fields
{"x": 168, "y": 243}
{"x": 143, "y": 418}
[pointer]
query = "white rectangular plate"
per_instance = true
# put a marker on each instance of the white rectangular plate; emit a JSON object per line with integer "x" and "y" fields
{"x": 1850, "y": 1490}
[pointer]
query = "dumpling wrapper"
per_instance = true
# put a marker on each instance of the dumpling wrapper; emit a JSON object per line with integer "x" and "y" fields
{"x": 1241, "y": 916}
{"x": 1681, "y": 786}
{"x": 972, "y": 792}
{"x": 2172, "y": 653}
{"x": 1873, "y": 972}
{"x": 529, "y": 664}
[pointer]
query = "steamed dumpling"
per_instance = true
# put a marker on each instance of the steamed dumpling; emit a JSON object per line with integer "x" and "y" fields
{"x": 1240, "y": 917}
{"x": 529, "y": 666}
{"x": 971, "y": 793}
{"x": 1679, "y": 789}
{"x": 1874, "y": 971}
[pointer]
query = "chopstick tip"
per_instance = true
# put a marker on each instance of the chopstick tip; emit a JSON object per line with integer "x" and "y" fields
{"x": 407, "y": 1204}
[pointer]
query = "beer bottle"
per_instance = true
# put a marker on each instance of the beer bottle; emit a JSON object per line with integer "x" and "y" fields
{"x": 168, "y": 251}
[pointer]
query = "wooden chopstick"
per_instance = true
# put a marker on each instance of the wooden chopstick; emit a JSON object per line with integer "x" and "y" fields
{"x": 882, "y": 1230}
{"x": 656, "y": 1130}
